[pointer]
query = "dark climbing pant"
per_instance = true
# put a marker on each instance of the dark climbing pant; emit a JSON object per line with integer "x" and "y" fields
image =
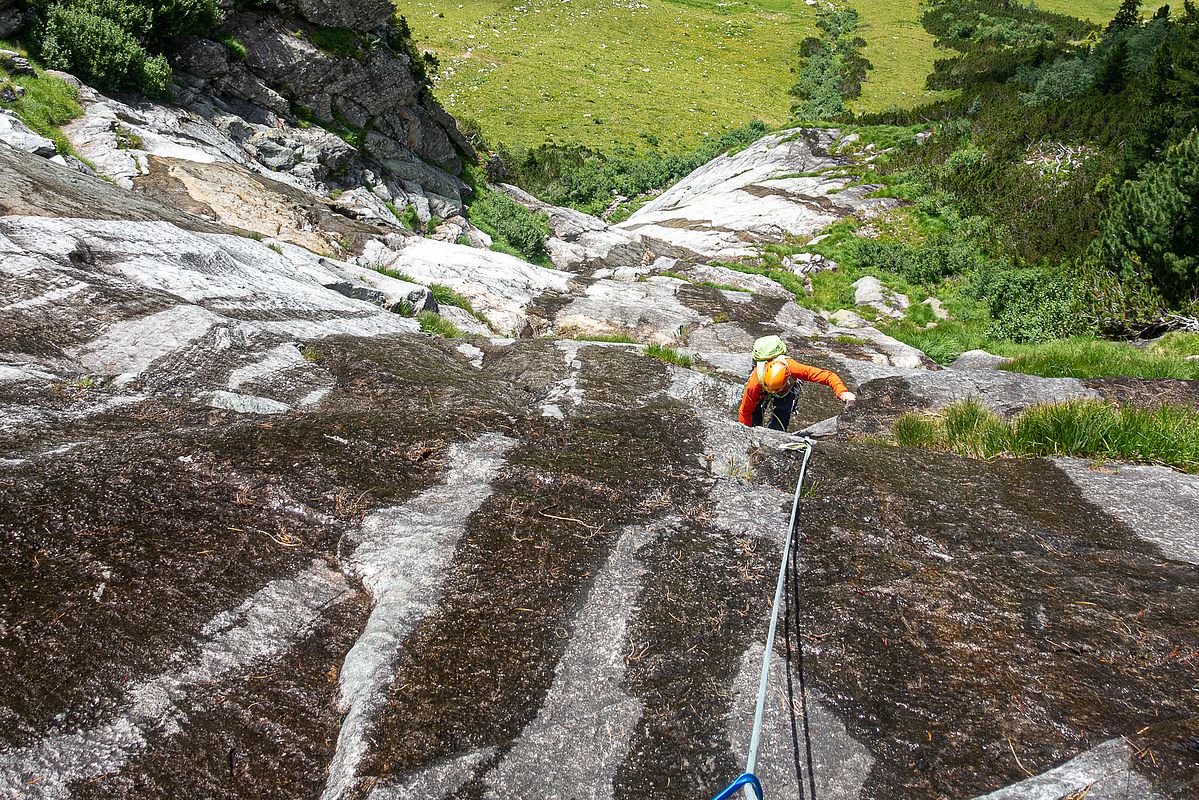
{"x": 775, "y": 412}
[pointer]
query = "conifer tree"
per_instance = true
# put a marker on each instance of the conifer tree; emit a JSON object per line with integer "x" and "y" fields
{"x": 1128, "y": 17}
{"x": 1149, "y": 240}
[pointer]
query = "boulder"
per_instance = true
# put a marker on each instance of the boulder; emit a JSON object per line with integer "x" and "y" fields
{"x": 11, "y": 92}
{"x": 808, "y": 263}
{"x": 15, "y": 63}
{"x": 978, "y": 359}
{"x": 869, "y": 291}
{"x": 17, "y": 135}
{"x": 357, "y": 15}
{"x": 649, "y": 311}
{"x": 938, "y": 308}
{"x": 501, "y": 287}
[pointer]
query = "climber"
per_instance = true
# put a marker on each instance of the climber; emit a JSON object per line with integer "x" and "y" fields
{"x": 772, "y": 386}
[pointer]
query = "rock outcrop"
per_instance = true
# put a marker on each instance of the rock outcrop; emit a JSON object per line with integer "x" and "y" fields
{"x": 270, "y": 539}
{"x": 775, "y": 190}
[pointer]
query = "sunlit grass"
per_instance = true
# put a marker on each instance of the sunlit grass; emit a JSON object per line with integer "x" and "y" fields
{"x": 1168, "y": 435}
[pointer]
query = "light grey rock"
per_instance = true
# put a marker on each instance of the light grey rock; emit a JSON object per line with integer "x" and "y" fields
{"x": 722, "y": 209}
{"x": 15, "y": 63}
{"x": 869, "y": 291}
{"x": 978, "y": 359}
{"x": 1101, "y": 773}
{"x": 809, "y": 263}
{"x": 1004, "y": 392}
{"x": 649, "y": 311}
{"x": 245, "y": 403}
{"x": 500, "y": 287}
{"x": 821, "y": 430}
{"x": 251, "y": 635}
{"x": 938, "y": 308}
{"x": 402, "y": 556}
{"x": 464, "y": 321}
{"x": 1157, "y": 503}
{"x": 70, "y": 162}
{"x": 17, "y": 135}
{"x": 844, "y": 318}
{"x": 582, "y": 731}
{"x": 758, "y": 284}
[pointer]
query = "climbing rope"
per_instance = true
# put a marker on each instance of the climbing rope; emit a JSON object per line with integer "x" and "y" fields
{"x": 789, "y": 565}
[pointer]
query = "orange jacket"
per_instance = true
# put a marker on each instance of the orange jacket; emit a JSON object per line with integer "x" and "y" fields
{"x": 754, "y": 393}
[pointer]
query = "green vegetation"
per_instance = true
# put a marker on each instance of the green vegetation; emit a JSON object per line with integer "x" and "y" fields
{"x": 47, "y": 103}
{"x": 393, "y": 273}
{"x": 513, "y": 228}
{"x": 668, "y": 355}
{"x": 434, "y": 323}
{"x": 833, "y": 67}
{"x": 445, "y": 296}
{"x": 337, "y": 41}
{"x": 234, "y": 45}
{"x": 583, "y": 178}
{"x": 607, "y": 338}
{"x": 600, "y": 73}
{"x": 1168, "y": 435}
{"x": 310, "y": 353}
{"x": 117, "y": 44}
{"x": 1178, "y": 343}
{"x": 1093, "y": 358}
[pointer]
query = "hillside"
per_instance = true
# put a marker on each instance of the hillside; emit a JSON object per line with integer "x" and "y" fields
{"x": 336, "y": 464}
{"x": 602, "y": 73}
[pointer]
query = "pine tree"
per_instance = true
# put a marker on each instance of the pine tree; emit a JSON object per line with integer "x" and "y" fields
{"x": 1128, "y": 17}
{"x": 1112, "y": 72}
{"x": 1149, "y": 238}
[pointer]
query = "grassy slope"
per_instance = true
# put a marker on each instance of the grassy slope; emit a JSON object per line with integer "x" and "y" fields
{"x": 601, "y": 72}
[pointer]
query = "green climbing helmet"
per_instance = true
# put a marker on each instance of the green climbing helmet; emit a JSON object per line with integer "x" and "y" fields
{"x": 769, "y": 347}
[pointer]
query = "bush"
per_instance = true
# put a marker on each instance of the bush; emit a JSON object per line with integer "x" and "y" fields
{"x": 1145, "y": 263}
{"x": 512, "y": 227}
{"x": 116, "y": 44}
{"x": 95, "y": 49}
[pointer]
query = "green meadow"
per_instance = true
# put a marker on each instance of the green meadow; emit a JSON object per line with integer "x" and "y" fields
{"x": 607, "y": 73}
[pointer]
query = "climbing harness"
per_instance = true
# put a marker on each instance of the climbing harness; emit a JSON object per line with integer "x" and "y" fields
{"x": 788, "y": 577}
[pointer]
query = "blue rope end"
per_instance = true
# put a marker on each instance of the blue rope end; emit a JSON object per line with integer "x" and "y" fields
{"x": 747, "y": 779}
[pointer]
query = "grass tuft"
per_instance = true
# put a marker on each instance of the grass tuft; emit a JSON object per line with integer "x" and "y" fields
{"x": 434, "y": 323}
{"x": 1084, "y": 357}
{"x": 668, "y": 355}
{"x": 1168, "y": 435}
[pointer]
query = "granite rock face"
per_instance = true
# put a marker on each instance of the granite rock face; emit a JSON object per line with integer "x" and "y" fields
{"x": 775, "y": 189}
{"x": 271, "y": 539}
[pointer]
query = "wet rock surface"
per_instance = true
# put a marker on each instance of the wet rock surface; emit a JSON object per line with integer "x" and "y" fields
{"x": 271, "y": 541}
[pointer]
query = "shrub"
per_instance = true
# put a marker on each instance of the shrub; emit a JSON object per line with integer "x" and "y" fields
{"x": 1145, "y": 263}
{"x": 116, "y": 44}
{"x": 95, "y": 49}
{"x": 511, "y": 225}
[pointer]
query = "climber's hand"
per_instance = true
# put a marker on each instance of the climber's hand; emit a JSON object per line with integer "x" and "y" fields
{"x": 848, "y": 397}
